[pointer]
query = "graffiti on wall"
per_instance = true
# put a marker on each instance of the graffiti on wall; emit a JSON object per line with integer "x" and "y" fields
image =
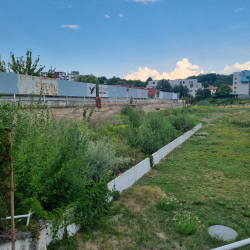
{"x": 33, "y": 84}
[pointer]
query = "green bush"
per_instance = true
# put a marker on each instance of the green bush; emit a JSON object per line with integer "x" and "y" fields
{"x": 204, "y": 103}
{"x": 156, "y": 132}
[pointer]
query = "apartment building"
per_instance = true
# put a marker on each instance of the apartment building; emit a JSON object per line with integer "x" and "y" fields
{"x": 63, "y": 76}
{"x": 191, "y": 84}
{"x": 241, "y": 82}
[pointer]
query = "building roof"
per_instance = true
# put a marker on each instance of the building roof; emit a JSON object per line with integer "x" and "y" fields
{"x": 211, "y": 87}
{"x": 151, "y": 91}
{"x": 231, "y": 86}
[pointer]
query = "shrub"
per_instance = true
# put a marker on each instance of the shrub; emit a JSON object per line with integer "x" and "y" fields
{"x": 156, "y": 132}
{"x": 203, "y": 103}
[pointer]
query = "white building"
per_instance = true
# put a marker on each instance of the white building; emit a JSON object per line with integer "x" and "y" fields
{"x": 241, "y": 83}
{"x": 191, "y": 84}
{"x": 63, "y": 76}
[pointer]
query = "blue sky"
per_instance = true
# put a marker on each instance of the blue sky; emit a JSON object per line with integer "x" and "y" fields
{"x": 133, "y": 39}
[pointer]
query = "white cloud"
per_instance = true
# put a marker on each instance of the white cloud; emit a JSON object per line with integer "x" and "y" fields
{"x": 74, "y": 27}
{"x": 182, "y": 70}
{"x": 107, "y": 16}
{"x": 143, "y": 1}
{"x": 120, "y": 15}
{"x": 236, "y": 68}
{"x": 240, "y": 9}
{"x": 214, "y": 72}
{"x": 142, "y": 74}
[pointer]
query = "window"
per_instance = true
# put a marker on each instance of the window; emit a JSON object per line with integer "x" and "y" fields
{"x": 235, "y": 92}
{"x": 183, "y": 81}
{"x": 191, "y": 85}
{"x": 235, "y": 82}
{"x": 153, "y": 82}
{"x": 235, "y": 87}
{"x": 180, "y": 82}
{"x": 191, "y": 90}
{"x": 235, "y": 78}
{"x": 196, "y": 86}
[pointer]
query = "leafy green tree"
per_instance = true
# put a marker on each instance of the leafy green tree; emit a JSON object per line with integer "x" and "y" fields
{"x": 224, "y": 89}
{"x": 51, "y": 72}
{"x": 149, "y": 79}
{"x": 164, "y": 85}
{"x": 102, "y": 79}
{"x": 87, "y": 78}
{"x": 20, "y": 66}
{"x": 176, "y": 89}
{"x": 2, "y": 66}
{"x": 206, "y": 93}
{"x": 183, "y": 91}
{"x": 199, "y": 95}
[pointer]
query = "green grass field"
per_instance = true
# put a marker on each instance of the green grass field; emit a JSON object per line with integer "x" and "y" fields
{"x": 204, "y": 182}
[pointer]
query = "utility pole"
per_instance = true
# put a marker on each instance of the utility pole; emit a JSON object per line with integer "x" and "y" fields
{"x": 13, "y": 239}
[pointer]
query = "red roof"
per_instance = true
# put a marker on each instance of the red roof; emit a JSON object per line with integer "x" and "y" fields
{"x": 211, "y": 87}
{"x": 231, "y": 86}
{"x": 151, "y": 91}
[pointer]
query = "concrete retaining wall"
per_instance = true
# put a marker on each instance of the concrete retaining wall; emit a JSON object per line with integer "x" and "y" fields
{"x": 128, "y": 178}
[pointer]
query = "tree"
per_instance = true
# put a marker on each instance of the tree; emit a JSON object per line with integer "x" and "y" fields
{"x": 51, "y": 72}
{"x": 206, "y": 93}
{"x": 20, "y": 66}
{"x": 183, "y": 91}
{"x": 164, "y": 85}
{"x": 199, "y": 95}
{"x": 2, "y": 66}
{"x": 149, "y": 79}
{"x": 176, "y": 89}
{"x": 102, "y": 79}
{"x": 224, "y": 89}
{"x": 87, "y": 78}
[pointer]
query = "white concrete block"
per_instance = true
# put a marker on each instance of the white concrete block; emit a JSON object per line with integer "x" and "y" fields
{"x": 125, "y": 180}
{"x": 142, "y": 168}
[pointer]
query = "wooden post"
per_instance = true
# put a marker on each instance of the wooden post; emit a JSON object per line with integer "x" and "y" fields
{"x": 11, "y": 194}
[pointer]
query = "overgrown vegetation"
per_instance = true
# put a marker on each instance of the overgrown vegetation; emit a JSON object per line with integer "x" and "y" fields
{"x": 65, "y": 166}
{"x": 200, "y": 184}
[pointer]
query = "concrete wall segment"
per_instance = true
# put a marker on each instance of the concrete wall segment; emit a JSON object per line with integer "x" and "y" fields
{"x": 33, "y": 84}
{"x": 8, "y": 83}
{"x": 125, "y": 180}
{"x": 142, "y": 168}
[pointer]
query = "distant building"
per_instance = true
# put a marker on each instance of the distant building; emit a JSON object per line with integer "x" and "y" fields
{"x": 191, "y": 84}
{"x": 241, "y": 82}
{"x": 63, "y": 76}
{"x": 212, "y": 89}
{"x": 151, "y": 92}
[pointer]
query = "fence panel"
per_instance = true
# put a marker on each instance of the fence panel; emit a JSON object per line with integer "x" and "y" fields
{"x": 142, "y": 168}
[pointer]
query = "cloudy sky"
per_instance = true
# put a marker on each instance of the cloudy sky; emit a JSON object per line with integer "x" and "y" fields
{"x": 131, "y": 39}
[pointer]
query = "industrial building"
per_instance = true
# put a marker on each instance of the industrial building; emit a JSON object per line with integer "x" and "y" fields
{"x": 191, "y": 84}
{"x": 241, "y": 82}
